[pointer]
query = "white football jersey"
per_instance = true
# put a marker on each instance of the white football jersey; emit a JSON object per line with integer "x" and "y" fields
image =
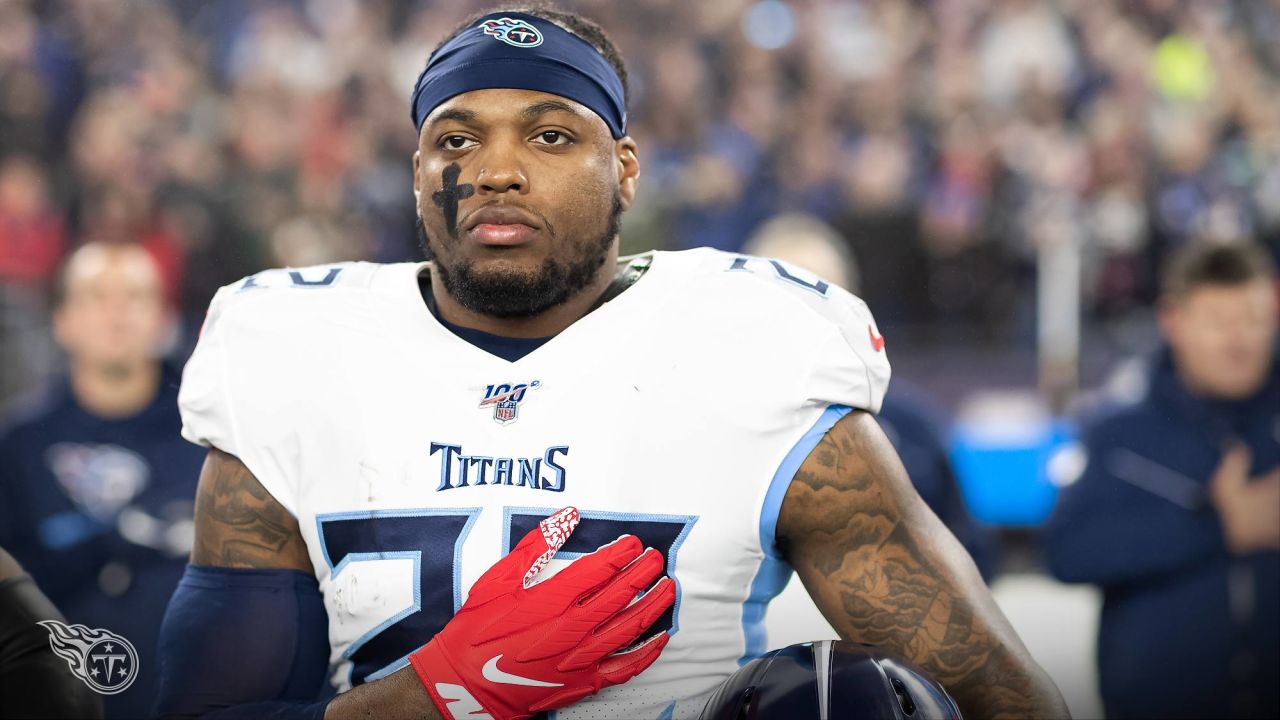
{"x": 413, "y": 460}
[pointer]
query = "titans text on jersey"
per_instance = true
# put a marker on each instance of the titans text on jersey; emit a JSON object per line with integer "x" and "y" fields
{"x": 678, "y": 412}
{"x": 458, "y": 470}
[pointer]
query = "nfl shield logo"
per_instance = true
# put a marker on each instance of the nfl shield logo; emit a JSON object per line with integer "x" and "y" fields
{"x": 505, "y": 399}
{"x": 505, "y": 411}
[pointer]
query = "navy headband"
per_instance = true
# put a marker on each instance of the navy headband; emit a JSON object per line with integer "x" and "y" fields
{"x": 515, "y": 50}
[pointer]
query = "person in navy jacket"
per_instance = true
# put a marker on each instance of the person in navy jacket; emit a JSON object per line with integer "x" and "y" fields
{"x": 1177, "y": 513}
{"x": 96, "y": 484}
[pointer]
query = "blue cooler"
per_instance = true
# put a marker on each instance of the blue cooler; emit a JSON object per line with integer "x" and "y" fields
{"x": 1002, "y": 462}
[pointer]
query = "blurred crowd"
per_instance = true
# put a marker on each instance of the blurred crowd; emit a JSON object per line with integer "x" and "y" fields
{"x": 926, "y": 154}
{"x": 948, "y": 142}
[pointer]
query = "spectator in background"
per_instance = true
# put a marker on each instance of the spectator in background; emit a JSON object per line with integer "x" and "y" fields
{"x": 31, "y": 232}
{"x": 96, "y": 484}
{"x": 907, "y": 416}
{"x": 244, "y": 135}
{"x": 1177, "y": 514}
{"x": 32, "y": 238}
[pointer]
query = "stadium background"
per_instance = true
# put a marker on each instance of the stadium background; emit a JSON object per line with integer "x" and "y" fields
{"x": 1008, "y": 174}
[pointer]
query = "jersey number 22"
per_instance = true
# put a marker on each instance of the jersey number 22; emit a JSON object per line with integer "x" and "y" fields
{"x": 433, "y": 538}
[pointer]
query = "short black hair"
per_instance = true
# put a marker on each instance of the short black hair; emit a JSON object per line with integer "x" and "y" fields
{"x": 588, "y": 30}
{"x": 1198, "y": 264}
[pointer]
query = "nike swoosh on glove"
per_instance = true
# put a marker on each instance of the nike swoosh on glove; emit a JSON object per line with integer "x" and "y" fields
{"x": 516, "y": 649}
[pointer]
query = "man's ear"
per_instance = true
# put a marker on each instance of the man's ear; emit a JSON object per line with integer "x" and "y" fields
{"x": 61, "y": 328}
{"x": 1169, "y": 314}
{"x": 417, "y": 182}
{"x": 625, "y": 151}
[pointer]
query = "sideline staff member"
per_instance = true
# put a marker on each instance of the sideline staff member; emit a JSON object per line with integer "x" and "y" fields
{"x": 1177, "y": 515}
{"x": 96, "y": 484}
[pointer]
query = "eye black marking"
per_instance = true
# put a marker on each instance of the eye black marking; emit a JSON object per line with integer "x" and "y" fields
{"x": 447, "y": 197}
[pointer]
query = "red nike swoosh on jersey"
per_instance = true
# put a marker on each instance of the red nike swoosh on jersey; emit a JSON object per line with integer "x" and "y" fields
{"x": 877, "y": 341}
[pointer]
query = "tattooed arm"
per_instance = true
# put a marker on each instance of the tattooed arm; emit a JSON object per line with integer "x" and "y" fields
{"x": 239, "y": 524}
{"x": 884, "y": 570}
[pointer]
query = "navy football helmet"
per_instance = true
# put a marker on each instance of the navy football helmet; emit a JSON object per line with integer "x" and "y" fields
{"x": 830, "y": 680}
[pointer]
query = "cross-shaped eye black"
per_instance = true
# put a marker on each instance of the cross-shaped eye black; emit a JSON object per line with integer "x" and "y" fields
{"x": 448, "y": 196}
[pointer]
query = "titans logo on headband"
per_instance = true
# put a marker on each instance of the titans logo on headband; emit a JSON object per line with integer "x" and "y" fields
{"x": 512, "y": 32}
{"x": 531, "y": 54}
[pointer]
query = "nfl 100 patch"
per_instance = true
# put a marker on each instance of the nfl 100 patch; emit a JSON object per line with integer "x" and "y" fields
{"x": 505, "y": 399}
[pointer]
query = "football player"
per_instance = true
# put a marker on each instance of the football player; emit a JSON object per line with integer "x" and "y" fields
{"x": 391, "y": 447}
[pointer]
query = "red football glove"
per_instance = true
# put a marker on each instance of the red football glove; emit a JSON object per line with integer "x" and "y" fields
{"x": 516, "y": 649}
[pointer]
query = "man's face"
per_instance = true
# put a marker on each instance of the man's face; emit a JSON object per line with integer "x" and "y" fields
{"x": 519, "y": 194}
{"x": 1223, "y": 337}
{"x": 113, "y": 315}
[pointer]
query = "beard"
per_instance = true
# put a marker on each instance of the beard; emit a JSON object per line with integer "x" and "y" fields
{"x": 521, "y": 293}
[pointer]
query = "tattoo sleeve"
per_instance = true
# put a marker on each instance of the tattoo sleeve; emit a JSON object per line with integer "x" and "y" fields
{"x": 239, "y": 524}
{"x": 884, "y": 570}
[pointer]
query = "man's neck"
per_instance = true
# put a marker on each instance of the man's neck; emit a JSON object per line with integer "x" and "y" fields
{"x": 115, "y": 392}
{"x": 548, "y": 323}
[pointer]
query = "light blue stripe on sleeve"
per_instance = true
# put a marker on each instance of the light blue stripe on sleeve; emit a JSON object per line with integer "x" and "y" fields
{"x": 774, "y": 571}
